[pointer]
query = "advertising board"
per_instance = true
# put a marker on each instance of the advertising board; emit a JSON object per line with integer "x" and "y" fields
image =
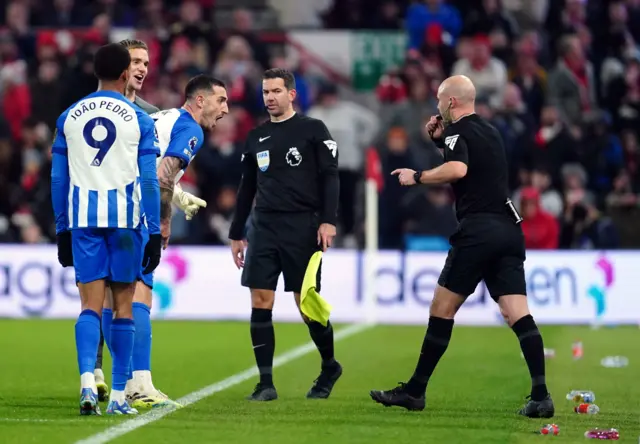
{"x": 564, "y": 287}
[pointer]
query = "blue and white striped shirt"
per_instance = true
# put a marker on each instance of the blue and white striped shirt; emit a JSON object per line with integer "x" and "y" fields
{"x": 100, "y": 146}
{"x": 179, "y": 135}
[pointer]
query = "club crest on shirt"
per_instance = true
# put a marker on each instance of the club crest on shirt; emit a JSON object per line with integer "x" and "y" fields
{"x": 263, "y": 160}
{"x": 293, "y": 157}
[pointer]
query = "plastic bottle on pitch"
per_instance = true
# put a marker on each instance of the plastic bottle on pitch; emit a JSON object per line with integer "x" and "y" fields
{"x": 586, "y": 409}
{"x": 582, "y": 396}
{"x": 614, "y": 361}
{"x": 577, "y": 350}
{"x": 550, "y": 429}
{"x": 612, "y": 434}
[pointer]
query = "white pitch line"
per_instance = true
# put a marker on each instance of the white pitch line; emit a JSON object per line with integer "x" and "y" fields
{"x": 78, "y": 420}
{"x": 147, "y": 418}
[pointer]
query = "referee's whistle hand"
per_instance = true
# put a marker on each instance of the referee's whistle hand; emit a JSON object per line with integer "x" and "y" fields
{"x": 326, "y": 233}
{"x": 435, "y": 128}
{"x": 237, "y": 250}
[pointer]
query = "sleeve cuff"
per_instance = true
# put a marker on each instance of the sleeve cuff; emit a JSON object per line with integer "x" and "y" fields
{"x": 61, "y": 230}
{"x": 145, "y": 152}
{"x": 59, "y": 150}
{"x": 439, "y": 143}
{"x": 185, "y": 159}
{"x": 236, "y": 232}
{"x": 329, "y": 220}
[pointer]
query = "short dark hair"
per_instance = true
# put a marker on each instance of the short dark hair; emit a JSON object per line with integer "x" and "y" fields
{"x": 111, "y": 61}
{"x": 279, "y": 73}
{"x": 134, "y": 44}
{"x": 200, "y": 82}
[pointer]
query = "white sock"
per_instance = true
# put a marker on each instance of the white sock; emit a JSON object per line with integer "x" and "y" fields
{"x": 130, "y": 387}
{"x": 88, "y": 380}
{"x": 142, "y": 379}
{"x": 117, "y": 396}
{"x": 99, "y": 374}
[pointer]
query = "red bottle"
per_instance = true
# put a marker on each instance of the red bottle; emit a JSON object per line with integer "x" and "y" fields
{"x": 577, "y": 350}
{"x": 550, "y": 429}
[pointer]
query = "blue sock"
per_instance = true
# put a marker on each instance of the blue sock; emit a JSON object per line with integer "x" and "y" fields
{"x": 87, "y": 340}
{"x": 142, "y": 341}
{"x": 122, "y": 333}
{"x": 107, "y": 318}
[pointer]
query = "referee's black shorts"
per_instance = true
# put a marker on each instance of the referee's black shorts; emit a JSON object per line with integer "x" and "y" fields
{"x": 280, "y": 243}
{"x": 489, "y": 248}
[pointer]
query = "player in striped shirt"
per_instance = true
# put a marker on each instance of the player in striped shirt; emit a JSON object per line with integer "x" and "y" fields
{"x": 138, "y": 70}
{"x": 140, "y": 389}
{"x": 180, "y": 134}
{"x": 103, "y": 172}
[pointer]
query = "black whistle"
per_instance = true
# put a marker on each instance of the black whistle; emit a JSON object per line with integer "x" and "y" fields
{"x": 439, "y": 119}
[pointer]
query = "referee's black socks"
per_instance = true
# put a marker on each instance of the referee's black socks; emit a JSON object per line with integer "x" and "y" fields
{"x": 323, "y": 338}
{"x": 533, "y": 350}
{"x": 434, "y": 345}
{"x": 264, "y": 342}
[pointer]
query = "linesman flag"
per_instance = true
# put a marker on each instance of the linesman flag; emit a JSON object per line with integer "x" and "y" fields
{"x": 312, "y": 304}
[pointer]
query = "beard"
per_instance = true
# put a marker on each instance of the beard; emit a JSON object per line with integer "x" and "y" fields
{"x": 447, "y": 118}
{"x": 276, "y": 112}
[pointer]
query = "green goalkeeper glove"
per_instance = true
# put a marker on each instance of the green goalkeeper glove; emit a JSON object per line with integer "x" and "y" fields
{"x": 187, "y": 202}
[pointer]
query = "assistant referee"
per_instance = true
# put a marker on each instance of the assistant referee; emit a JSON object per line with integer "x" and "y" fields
{"x": 290, "y": 165}
{"x": 488, "y": 245}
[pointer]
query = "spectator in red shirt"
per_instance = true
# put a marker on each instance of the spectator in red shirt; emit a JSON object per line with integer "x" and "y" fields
{"x": 541, "y": 229}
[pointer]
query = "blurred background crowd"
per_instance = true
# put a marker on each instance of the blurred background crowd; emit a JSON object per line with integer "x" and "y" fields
{"x": 560, "y": 79}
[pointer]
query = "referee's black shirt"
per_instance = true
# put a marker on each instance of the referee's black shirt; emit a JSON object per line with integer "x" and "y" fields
{"x": 289, "y": 166}
{"x": 484, "y": 189}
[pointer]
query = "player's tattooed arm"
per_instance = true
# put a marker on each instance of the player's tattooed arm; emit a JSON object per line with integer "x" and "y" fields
{"x": 169, "y": 168}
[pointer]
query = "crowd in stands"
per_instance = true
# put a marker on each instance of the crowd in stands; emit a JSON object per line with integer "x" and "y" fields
{"x": 561, "y": 82}
{"x": 560, "y": 79}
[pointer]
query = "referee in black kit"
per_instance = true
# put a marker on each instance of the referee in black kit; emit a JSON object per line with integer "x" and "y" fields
{"x": 290, "y": 165}
{"x": 488, "y": 245}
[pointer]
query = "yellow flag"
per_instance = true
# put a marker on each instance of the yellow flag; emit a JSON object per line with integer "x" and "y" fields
{"x": 311, "y": 303}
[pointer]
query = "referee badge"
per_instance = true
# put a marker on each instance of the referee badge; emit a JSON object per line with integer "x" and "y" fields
{"x": 263, "y": 160}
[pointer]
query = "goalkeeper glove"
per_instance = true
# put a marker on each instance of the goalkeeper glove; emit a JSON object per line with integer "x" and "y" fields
{"x": 187, "y": 202}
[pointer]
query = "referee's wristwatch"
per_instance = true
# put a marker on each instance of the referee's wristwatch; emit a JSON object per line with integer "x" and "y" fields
{"x": 416, "y": 177}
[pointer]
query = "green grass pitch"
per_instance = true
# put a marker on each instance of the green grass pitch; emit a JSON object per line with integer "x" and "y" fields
{"x": 472, "y": 398}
